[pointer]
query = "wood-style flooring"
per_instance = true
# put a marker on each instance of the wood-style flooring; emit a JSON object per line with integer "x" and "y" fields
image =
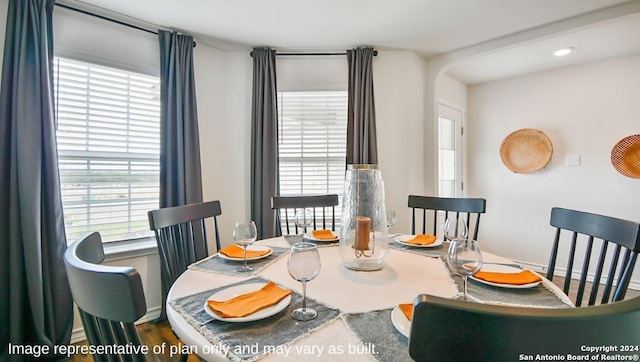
{"x": 155, "y": 334}
{"x": 573, "y": 291}
{"x": 151, "y": 334}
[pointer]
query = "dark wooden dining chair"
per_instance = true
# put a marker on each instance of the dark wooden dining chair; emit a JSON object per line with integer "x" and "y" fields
{"x": 455, "y": 330}
{"x": 181, "y": 235}
{"x": 435, "y": 210}
{"x": 589, "y": 230}
{"x": 110, "y": 299}
{"x": 322, "y": 211}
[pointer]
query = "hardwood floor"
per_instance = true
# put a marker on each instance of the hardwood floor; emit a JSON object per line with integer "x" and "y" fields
{"x": 151, "y": 334}
{"x": 573, "y": 291}
{"x": 155, "y": 334}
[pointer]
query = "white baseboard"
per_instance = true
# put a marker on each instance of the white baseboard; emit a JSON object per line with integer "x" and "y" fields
{"x": 633, "y": 284}
{"x": 77, "y": 335}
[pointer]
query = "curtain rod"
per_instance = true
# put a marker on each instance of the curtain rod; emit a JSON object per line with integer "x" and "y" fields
{"x": 375, "y": 53}
{"x": 109, "y": 19}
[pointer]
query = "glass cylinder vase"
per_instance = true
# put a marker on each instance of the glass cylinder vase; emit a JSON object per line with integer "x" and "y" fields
{"x": 363, "y": 236}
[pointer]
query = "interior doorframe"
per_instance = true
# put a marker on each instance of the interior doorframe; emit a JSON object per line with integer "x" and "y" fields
{"x": 451, "y": 111}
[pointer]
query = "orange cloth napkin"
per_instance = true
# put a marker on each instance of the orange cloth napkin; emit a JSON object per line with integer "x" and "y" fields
{"x": 323, "y": 235}
{"x": 422, "y": 239}
{"x": 246, "y": 304}
{"x": 407, "y": 309}
{"x": 234, "y": 251}
{"x": 523, "y": 277}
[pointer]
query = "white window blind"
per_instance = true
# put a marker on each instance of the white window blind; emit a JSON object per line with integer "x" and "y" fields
{"x": 312, "y": 142}
{"x": 108, "y": 148}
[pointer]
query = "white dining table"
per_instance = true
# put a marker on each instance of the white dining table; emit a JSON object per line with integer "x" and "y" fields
{"x": 404, "y": 276}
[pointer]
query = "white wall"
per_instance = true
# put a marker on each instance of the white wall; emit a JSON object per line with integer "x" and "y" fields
{"x": 452, "y": 91}
{"x": 399, "y": 78}
{"x": 312, "y": 73}
{"x": 223, "y": 94}
{"x": 90, "y": 39}
{"x": 584, "y": 110}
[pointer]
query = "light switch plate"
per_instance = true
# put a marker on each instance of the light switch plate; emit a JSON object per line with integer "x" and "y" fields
{"x": 573, "y": 160}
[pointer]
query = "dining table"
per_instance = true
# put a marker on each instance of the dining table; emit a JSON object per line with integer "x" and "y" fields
{"x": 358, "y": 311}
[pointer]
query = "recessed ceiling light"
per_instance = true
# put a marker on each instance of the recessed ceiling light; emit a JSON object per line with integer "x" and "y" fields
{"x": 562, "y": 52}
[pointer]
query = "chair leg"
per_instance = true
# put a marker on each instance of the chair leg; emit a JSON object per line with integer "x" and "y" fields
{"x": 184, "y": 357}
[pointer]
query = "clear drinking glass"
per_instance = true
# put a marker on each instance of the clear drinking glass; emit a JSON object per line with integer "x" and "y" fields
{"x": 303, "y": 266}
{"x": 455, "y": 229}
{"x": 465, "y": 258}
{"x": 391, "y": 217}
{"x": 303, "y": 219}
{"x": 245, "y": 234}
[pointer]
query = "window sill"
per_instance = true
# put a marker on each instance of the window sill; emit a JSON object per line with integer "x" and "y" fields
{"x": 128, "y": 249}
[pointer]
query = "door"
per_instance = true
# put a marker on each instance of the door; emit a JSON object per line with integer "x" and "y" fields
{"x": 450, "y": 132}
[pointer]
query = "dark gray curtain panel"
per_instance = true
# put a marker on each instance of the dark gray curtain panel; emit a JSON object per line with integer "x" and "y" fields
{"x": 180, "y": 174}
{"x": 36, "y": 306}
{"x": 264, "y": 141}
{"x": 361, "y": 113}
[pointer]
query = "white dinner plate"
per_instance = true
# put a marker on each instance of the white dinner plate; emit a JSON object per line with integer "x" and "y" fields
{"x": 250, "y": 247}
{"x": 309, "y": 236}
{"x": 503, "y": 269}
{"x": 400, "y": 321}
{"x": 402, "y": 239}
{"x": 240, "y": 289}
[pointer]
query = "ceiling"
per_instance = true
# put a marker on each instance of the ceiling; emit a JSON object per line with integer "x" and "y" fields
{"x": 430, "y": 28}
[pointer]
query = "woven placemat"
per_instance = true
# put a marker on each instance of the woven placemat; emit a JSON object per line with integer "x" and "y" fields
{"x": 216, "y": 264}
{"x": 526, "y": 150}
{"x": 625, "y": 156}
{"x": 376, "y": 332}
{"x": 250, "y": 341}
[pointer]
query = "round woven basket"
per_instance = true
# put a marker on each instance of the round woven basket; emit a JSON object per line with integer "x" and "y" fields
{"x": 526, "y": 150}
{"x": 625, "y": 156}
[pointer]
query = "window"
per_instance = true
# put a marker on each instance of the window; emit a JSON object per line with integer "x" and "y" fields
{"x": 312, "y": 142}
{"x": 449, "y": 152}
{"x": 108, "y": 149}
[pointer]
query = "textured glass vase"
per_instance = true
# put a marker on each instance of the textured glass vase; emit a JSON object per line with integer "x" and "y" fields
{"x": 364, "y": 239}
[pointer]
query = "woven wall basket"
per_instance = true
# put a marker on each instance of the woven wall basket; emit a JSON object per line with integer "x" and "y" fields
{"x": 625, "y": 156}
{"x": 526, "y": 150}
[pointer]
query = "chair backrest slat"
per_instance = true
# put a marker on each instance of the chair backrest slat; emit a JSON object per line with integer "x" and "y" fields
{"x": 586, "y": 230}
{"x": 608, "y": 287}
{"x": 625, "y": 276}
{"x": 598, "y": 275}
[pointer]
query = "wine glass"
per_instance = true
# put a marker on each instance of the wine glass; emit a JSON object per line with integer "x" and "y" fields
{"x": 391, "y": 217}
{"x": 303, "y": 219}
{"x": 303, "y": 266}
{"x": 245, "y": 234}
{"x": 455, "y": 229}
{"x": 464, "y": 258}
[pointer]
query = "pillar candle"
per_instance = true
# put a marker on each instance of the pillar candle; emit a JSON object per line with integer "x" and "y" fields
{"x": 363, "y": 227}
